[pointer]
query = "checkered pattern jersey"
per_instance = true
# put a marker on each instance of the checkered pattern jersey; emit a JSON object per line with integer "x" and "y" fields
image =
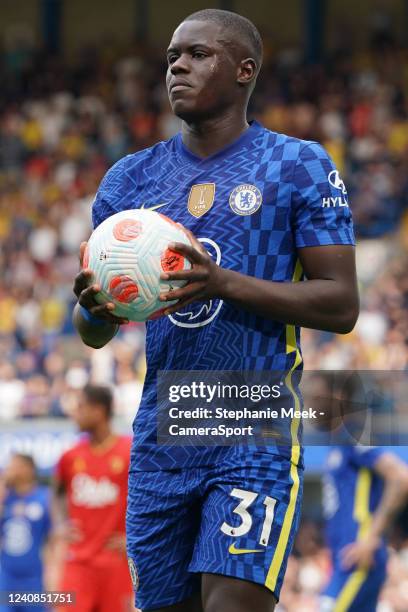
{"x": 291, "y": 175}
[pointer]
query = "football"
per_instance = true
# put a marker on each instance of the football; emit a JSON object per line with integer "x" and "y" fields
{"x": 127, "y": 253}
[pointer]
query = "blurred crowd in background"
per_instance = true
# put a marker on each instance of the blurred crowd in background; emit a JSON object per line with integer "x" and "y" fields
{"x": 62, "y": 125}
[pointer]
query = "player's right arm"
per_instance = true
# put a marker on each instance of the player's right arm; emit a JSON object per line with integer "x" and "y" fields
{"x": 64, "y": 529}
{"x": 96, "y": 323}
{"x": 54, "y": 552}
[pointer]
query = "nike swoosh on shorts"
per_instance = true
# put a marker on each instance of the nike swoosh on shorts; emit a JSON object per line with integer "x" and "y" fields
{"x": 242, "y": 551}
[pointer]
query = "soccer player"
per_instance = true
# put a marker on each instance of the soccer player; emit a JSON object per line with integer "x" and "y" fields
{"x": 25, "y": 524}
{"x": 93, "y": 477}
{"x": 363, "y": 489}
{"x": 211, "y": 528}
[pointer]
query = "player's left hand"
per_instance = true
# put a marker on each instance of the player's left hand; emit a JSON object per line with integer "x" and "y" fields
{"x": 360, "y": 553}
{"x": 205, "y": 279}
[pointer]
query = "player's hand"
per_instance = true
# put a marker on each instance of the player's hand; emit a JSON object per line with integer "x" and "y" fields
{"x": 117, "y": 541}
{"x": 205, "y": 279}
{"x": 360, "y": 553}
{"x": 69, "y": 531}
{"x": 85, "y": 289}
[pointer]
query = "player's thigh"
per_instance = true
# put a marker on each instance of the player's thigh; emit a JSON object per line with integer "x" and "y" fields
{"x": 235, "y": 595}
{"x": 162, "y": 522}
{"x": 81, "y": 580}
{"x": 249, "y": 520}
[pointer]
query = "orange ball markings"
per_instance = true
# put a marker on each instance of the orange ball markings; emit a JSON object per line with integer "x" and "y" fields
{"x": 123, "y": 289}
{"x": 172, "y": 261}
{"x": 127, "y": 229}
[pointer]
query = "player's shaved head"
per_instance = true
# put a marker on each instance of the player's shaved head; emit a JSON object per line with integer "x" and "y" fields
{"x": 239, "y": 33}
{"x": 213, "y": 60}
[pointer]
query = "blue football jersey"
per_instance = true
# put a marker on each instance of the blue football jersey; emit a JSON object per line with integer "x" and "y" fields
{"x": 351, "y": 493}
{"x": 252, "y": 205}
{"x": 24, "y": 526}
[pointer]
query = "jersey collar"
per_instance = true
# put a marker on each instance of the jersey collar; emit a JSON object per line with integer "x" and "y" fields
{"x": 246, "y": 137}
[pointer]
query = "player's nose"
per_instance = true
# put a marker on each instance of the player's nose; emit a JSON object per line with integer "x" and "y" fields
{"x": 181, "y": 64}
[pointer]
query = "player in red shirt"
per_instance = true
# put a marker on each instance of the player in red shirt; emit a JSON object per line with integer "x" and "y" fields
{"x": 92, "y": 479}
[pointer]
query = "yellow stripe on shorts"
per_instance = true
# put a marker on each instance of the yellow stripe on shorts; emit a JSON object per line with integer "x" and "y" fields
{"x": 291, "y": 347}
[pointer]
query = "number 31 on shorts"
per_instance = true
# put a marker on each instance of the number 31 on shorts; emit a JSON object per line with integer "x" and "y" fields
{"x": 242, "y": 509}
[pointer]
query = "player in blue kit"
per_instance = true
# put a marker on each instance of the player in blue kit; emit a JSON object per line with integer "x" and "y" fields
{"x": 25, "y": 525}
{"x": 211, "y": 528}
{"x": 363, "y": 489}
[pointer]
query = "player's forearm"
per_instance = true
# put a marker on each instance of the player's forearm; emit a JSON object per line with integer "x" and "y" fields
{"x": 393, "y": 499}
{"x": 59, "y": 513}
{"x": 318, "y": 304}
{"x": 95, "y": 336}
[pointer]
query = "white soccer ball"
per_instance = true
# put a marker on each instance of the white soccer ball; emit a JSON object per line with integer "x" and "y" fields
{"x": 127, "y": 253}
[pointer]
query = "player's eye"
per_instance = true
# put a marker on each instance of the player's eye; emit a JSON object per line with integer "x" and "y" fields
{"x": 172, "y": 58}
{"x": 199, "y": 55}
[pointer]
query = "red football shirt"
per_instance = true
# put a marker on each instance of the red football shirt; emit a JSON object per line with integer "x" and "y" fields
{"x": 95, "y": 479}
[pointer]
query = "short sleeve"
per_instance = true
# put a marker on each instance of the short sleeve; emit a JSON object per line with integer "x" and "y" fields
{"x": 366, "y": 456}
{"x": 111, "y": 193}
{"x": 321, "y": 212}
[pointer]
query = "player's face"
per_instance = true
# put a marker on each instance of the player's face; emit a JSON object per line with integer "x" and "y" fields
{"x": 86, "y": 415}
{"x": 202, "y": 73}
{"x": 17, "y": 471}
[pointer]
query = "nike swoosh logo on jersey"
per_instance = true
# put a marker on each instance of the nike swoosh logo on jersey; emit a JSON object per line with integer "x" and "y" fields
{"x": 242, "y": 551}
{"x": 154, "y": 207}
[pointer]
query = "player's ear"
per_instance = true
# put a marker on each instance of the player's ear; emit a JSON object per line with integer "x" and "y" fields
{"x": 247, "y": 70}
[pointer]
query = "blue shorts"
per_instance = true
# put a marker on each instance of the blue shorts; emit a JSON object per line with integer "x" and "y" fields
{"x": 238, "y": 521}
{"x": 353, "y": 591}
{"x": 11, "y": 582}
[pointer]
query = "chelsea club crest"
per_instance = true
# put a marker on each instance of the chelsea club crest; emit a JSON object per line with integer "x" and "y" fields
{"x": 133, "y": 574}
{"x": 245, "y": 199}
